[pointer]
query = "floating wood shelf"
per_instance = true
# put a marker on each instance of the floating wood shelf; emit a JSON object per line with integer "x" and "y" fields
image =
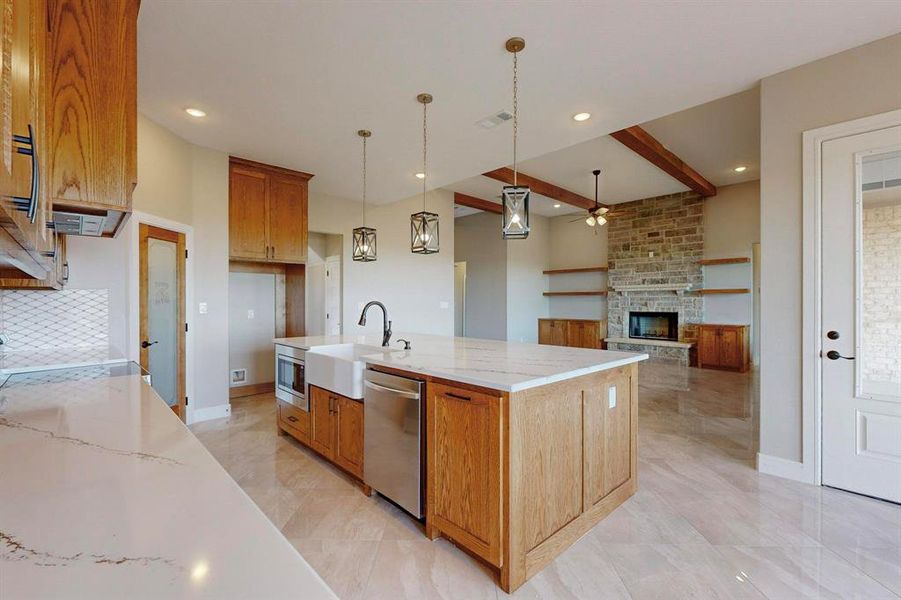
{"x": 725, "y": 261}
{"x": 579, "y": 293}
{"x": 724, "y": 291}
{"x": 579, "y": 270}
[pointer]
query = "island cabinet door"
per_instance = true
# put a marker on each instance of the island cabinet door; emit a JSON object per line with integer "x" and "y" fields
{"x": 322, "y": 434}
{"x": 349, "y": 435}
{"x": 607, "y": 427}
{"x": 464, "y": 468}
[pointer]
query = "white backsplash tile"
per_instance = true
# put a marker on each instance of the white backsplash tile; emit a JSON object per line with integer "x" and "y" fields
{"x": 39, "y": 320}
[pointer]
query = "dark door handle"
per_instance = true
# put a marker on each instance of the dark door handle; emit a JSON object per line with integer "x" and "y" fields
{"x": 834, "y": 355}
{"x": 146, "y": 344}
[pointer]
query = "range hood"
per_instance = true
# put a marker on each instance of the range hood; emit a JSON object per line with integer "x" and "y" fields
{"x": 70, "y": 223}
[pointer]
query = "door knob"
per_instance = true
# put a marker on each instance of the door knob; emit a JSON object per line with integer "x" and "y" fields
{"x": 834, "y": 355}
{"x": 146, "y": 344}
{"x": 833, "y": 335}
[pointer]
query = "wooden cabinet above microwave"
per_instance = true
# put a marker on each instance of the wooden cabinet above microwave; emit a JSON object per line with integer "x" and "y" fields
{"x": 267, "y": 216}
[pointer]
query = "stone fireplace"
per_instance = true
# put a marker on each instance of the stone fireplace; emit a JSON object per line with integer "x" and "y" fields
{"x": 654, "y": 246}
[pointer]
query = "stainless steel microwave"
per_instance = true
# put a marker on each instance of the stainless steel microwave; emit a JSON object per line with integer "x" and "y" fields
{"x": 290, "y": 376}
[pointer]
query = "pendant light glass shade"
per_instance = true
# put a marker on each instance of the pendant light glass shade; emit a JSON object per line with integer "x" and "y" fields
{"x": 364, "y": 241}
{"x": 516, "y": 212}
{"x": 515, "y": 197}
{"x": 424, "y": 224}
{"x": 424, "y": 233}
{"x": 364, "y": 244}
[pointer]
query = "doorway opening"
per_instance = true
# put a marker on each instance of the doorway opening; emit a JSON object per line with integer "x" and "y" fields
{"x": 324, "y": 290}
{"x": 162, "y": 261}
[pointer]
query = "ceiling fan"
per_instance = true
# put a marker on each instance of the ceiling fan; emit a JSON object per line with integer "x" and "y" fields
{"x": 598, "y": 214}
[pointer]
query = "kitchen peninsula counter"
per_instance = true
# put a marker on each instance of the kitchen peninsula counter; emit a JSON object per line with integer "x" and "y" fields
{"x": 106, "y": 494}
{"x": 527, "y": 446}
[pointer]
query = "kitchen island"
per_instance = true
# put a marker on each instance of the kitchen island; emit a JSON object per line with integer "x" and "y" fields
{"x": 527, "y": 446}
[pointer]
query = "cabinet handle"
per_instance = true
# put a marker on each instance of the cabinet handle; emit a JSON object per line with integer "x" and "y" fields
{"x": 30, "y": 204}
{"x": 66, "y": 272}
{"x": 292, "y": 418}
{"x": 273, "y": 252}
{"x": 458, "y": 396}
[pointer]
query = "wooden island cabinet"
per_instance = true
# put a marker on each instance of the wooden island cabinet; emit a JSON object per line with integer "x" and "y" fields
{"x": 517, "y": 477}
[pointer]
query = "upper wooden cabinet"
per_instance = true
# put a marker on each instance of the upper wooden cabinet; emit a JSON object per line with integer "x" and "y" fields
{"x": 267, "y": 212}
{"x": 92, "y": 106}
{"x": 724, "y": 347}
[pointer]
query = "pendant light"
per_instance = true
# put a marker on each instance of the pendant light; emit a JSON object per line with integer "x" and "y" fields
{"x": 364, "y": 244}
{"x": 516, "y": 197}
{"x": 424, "y": 224}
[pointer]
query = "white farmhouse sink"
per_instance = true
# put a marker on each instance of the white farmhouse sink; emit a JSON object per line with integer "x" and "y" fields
{"x": 339, "y": 367}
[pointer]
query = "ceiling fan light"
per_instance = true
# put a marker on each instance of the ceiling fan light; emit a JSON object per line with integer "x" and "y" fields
{"x": 602, "y": 211}
{"x": 590, "y": 220}
{"x": 601, "y": 221}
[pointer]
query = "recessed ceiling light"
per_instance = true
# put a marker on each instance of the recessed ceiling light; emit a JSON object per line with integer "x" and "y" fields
{"x": 581, "y": 116}
{"x": 195, "y": 112}
{"x": 420, "y": 176}
{"x": 556, "y": 206}
{"x": 740, "y": 169}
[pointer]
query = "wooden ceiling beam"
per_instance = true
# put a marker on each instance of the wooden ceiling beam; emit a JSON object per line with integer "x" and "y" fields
{"x": 543, "y": 188}
{"x": 473, "y": 202}
{"x": 645, "y": 145}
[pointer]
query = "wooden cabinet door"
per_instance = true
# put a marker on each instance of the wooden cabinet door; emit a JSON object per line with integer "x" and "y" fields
{"x": 17, "y": 112}
{"x": 583, "y": 334}
{"x": 287, "y": 219}
{"x": 730, "y": 347}
{"x": 464, "y": 467}
{"x": 322, "y": 433}
{"x": 607, "y": 426}
{"x": 708, "y": 346}
{"x": 92, "y": 102}
{"x": 349, "y": 435}
{"x": 552, "y": 332}
{"x": 248, "y": 214}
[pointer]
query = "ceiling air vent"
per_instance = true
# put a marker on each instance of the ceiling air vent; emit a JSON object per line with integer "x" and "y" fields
{"x": 492, "y": 121}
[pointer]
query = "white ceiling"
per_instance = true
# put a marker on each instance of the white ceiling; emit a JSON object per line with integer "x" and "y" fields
{"x": 290, "y": 82}
{"x": 713, "y": 138}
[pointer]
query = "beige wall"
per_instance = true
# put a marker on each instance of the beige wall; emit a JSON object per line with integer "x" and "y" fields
{"x": 176, "y": 180}
{"x": 412, "y": 286}
{"x": 250, "y": 339}
{"x": 859, "y": 82}
{"x": 731, "y": 226}
{"x": 526, "y": 282}
{"x": 478, "y": 243}
{"x": 574, "y": 244}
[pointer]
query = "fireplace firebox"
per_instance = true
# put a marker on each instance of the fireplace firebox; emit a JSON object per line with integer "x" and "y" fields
{"x": 654, "y": 326}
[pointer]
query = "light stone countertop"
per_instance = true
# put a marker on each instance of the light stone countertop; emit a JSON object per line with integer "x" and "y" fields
{"x": 505, "y": 366}
{"x": 106, "y": 494}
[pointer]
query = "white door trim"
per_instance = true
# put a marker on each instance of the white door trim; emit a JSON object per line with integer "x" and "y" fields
{"x": 811, "y": 342}
{"x": 134, "y": 317}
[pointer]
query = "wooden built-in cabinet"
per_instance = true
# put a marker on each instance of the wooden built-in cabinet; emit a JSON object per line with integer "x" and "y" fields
{"x": 267, "y": 212}
{"x": 724, "y": 347}
{"x": 55, "y": 279}
{"x": 333, "y": 427}
{"x": 578, "y": 333}
{"x": 517, "y": 477}
{"x": 68, "y": 125}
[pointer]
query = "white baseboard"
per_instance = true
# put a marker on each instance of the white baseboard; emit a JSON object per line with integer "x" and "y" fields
{"x": 781, "y": 467}
{"x": 211, "y": 412}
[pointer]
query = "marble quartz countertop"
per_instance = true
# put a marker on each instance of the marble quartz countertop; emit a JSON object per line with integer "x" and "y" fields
{"x": 506, "y": 366}
{"x": 106, "y": 494}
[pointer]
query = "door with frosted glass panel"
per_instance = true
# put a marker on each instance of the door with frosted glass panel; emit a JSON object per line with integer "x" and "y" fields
{"x": 162, "y": 297}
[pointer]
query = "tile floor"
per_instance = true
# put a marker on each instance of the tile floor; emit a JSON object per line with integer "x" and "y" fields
{"x": 704, "y": 523}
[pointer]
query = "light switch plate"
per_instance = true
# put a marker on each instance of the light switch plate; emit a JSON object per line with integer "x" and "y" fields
{"x": 202, "y": 308}
{"x": 445, "y": 304}
{"x": 251, "y": 314}
{"x": 611, "y": 396}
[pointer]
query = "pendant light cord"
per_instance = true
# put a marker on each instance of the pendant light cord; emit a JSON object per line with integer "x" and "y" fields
{"x": 364, "y": 182}
{"x": 515, "y": 114}
{"x": 424, "y": 149}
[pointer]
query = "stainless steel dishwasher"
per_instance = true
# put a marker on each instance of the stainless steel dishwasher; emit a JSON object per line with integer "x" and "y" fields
{"x": 394, "y": 436}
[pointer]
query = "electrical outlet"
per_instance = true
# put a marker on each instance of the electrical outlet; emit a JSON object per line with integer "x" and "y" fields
{"x": 611, "y": 397}
{"x": 650, "y": 255}
{"x": 202, "y": 308}
{"x": 251, "y": 314}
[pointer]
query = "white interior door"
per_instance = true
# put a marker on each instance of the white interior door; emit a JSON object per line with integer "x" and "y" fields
{"x": 315, "y": 309}
{"x": 861, "y": 313}
{"x": 333, "y": 295}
